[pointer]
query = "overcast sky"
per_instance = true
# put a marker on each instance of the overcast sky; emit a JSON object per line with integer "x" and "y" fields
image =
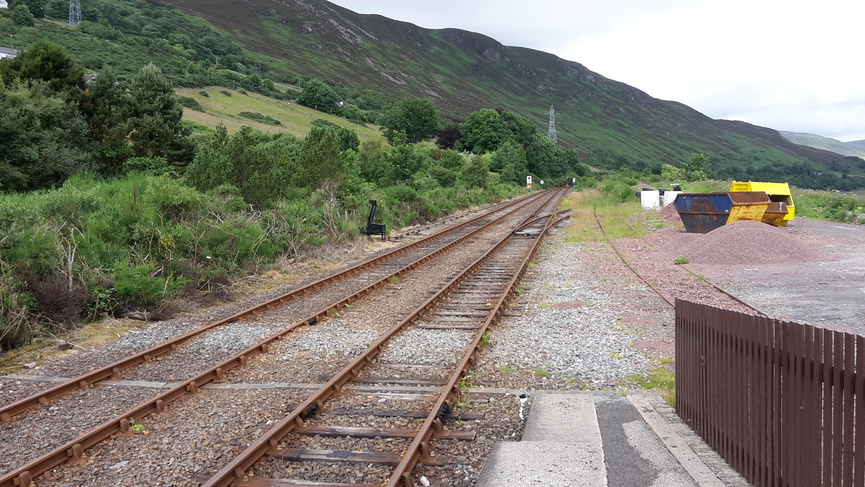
{"x": 789, "y": 65}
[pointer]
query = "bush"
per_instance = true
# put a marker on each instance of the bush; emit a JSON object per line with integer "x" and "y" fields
{"x": 260, "y": 118}
{"x": 153, "y": 166}
{"x": 191, "y": 103}
{"x": 141, "y": 286}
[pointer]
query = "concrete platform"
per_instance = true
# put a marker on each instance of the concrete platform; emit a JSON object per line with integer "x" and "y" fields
{"x": 604, "y": 439}
{"x": 561, "y": 446}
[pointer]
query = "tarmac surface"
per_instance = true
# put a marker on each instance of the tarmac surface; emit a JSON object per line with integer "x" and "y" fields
{"x": 589, "y": 439}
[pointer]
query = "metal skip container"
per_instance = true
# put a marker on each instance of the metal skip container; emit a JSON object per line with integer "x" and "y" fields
{"x": 778, "y": 193}
{"x": 704, "y": 212}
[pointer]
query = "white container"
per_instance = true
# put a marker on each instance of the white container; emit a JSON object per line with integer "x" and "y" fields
{"x": 650, "y": 199}
{"x": 670, "y": 196}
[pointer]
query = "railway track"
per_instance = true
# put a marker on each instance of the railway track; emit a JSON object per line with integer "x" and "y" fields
{"x": 380, "y": 273}
{"x": 673, "y": 284}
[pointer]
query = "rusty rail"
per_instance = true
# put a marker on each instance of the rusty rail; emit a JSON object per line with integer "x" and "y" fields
{"x": 73, "y": 451}
{"x": 114, "y": 371}
{"x": 269, "y": 442}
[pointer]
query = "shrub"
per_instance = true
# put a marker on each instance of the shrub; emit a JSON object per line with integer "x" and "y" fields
{"x": 191, "y": 103}
{"x": 154, "y": 166}
{"x": 141, "y": 286}
{"x": 258, "y": 117}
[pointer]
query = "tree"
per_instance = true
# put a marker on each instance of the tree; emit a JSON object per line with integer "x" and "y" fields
{"x": 476, "y": 171}
{"x": 347, "y": 138}
{"x": 484, "y": 131}
{"x": 522, "y": 128}
{"x": 21, "y": 16}
{"x": 35, "y": 7}
{"x": 402, "y": 158}
{"x": 105, "y": 106}
{"x": 44, "y": 137}
{"x": 320, "y": 158}
{"x": 319, "y": 95}
{"x": 259, "y": 165}
{"x": 154, "y": 118}
{"x": 373, "y": 163}
{"x": 510, "y": 162}
{"x": 417, "y": 117}
{"x": 697, "y": 168}
{"x": 45, "y": 61}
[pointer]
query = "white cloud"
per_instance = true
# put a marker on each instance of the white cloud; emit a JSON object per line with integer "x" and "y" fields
{"x": 789, "y": 65}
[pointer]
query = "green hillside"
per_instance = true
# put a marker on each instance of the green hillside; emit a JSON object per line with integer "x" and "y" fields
{"x": 855, "y": 148}
{"x": 272, "y": 47}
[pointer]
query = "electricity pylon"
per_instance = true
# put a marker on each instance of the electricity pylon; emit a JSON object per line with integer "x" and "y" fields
{"x": 74, "y": 12}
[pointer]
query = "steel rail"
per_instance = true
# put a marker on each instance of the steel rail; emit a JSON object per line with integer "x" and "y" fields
{"x": 684, "y": 266}
{"x": 419, "y": 448}
{"x": 236, "y": 469}
{"x": 73, "y": 451}
{"x": 647, "y": 283}
{"x": 622, "y": 257}
{"x": 114, "y": 370}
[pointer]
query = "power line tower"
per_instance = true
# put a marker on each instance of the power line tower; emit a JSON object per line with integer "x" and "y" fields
{"x": 74, "y": 12}
{"x": 551, "y": 133}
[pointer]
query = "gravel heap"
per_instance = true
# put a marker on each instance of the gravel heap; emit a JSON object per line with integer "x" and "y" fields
{"x": 748, "y": 243}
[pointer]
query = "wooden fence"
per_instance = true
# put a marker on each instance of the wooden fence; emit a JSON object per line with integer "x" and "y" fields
{"x": 783, "y": 403}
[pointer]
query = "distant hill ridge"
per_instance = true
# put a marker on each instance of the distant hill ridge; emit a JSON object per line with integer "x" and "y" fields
{"x": 854, "y": 148}
{"x": 611, "y": 123}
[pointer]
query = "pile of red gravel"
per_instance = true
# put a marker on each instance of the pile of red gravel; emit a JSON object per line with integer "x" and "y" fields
{"x": 747, "y": 243}
{"x": 671, "y": 215}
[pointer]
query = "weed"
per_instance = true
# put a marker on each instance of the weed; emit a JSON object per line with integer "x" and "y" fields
{"x": 700, "y": 277}
{"x": 681, "y": 260}
{"x": 485, "y": 340}
{"x": 507, "y": 370}
{"x": 660, "y": 379}
{"x": 543, "y": 372}
{"x": 467, "y": 380}
{"x": 137, "y": 427}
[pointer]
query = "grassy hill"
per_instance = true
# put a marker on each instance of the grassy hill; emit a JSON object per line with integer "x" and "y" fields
{"x": 225, "y": 106}
{"x": 373, "y": 61}
{"x": 612, "y": 123}
{"x": 855, "y": 148}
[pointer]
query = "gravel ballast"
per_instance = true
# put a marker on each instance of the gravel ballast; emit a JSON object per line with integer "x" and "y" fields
{"x": 580, "y": 321}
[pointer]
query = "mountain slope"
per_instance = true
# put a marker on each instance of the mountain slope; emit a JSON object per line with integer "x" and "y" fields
{"x": 855, "y": 148}
{"x": 463, "y": 71}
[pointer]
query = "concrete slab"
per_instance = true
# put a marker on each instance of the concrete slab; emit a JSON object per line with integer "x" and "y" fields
{"x": 567, "y": 418}
{"x": 561, "y": 445}
{"x": 540, "y": 463}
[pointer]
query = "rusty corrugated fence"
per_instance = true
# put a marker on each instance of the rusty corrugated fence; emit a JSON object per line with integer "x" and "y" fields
{"x": 783, "y": 403}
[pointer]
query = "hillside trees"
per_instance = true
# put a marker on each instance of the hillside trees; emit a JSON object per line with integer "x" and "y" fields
{"x": 259, "y": 165}
{"x": 319, "y": 95}
{"x": 44, "y": 137}
{"x": 517, "y": 146}
{"x": 697, "y": 168}
{"x": 484, "y": 131}
{"x": 45, "y": 61}
{"x": 417, "y": 117}
{"x": 153, "y": 122}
